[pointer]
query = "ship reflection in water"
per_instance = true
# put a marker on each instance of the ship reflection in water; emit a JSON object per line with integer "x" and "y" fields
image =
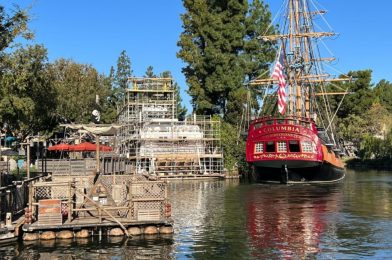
{"x": 289, "y": 221}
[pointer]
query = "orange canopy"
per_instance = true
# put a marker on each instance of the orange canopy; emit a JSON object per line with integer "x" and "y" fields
{"x": 59, "y": 147}
{"x": 89, "y": 147}
{"x": 83, "y": 147}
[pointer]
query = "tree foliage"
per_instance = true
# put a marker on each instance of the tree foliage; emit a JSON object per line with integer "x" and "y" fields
{"x": 361, "y": 95}
{"x": 77, "y": 86}
{"x": 13, "y": 25}
{"x": 383, "y": 93}
{"x": 27, "y": 97}
{"x": 219, "y": 46}
{"x": 150, "y": 72}
{"x": 120, "y": 80}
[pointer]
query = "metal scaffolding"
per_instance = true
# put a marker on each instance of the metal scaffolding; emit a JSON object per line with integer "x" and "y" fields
{"x": 157, "y": 142}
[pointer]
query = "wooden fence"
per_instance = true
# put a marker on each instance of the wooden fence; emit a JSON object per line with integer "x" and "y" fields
{"x": 80, "y": 167}
{"x": 14, "y": 197}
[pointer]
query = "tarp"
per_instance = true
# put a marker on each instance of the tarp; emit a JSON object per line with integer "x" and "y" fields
{"x": 86, "y": 146}
{"x": 89, "y": 147}
{"x": 95, "y": 129}
{"x": 105, "y": 148}
{"x": 8, "y": 152}
{"x": 59, "y": 147}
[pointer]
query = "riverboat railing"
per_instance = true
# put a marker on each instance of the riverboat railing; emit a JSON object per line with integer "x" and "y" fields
{"x": 86, "y": 166}
{"x": 120, "y": 198}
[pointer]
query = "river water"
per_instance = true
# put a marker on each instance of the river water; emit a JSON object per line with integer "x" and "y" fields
{"x": 233, "y": 220}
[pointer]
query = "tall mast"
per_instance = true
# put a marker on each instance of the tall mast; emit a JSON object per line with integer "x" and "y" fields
{"x": 297, "y": 53}
{"x": 301, "y": 61}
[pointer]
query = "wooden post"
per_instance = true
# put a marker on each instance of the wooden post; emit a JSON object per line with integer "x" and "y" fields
{"x": 69, "y": 201}
{"x": 31, "y": 198}
{"x": 28, "y": 160}
{"x": 97, "y": 153}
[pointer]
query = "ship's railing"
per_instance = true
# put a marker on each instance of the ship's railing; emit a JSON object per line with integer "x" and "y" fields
{"x": 290, "y": 120}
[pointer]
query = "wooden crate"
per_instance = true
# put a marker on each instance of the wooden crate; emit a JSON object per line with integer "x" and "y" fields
{"x": 49, "y": 212}
{"x": 148, "y": 214}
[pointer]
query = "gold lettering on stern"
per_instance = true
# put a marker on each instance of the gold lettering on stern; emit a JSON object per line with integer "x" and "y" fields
{"x": 284, "y": 156}
{"x": 273, "y": 129}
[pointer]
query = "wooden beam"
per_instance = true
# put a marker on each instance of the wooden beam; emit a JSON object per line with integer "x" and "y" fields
{"x": 297, "y": 35}
{"x": 333, "y": 93}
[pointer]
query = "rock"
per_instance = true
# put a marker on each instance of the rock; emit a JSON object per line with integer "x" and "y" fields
{"x": 116, "y": 232}
{"x": 166, "y": 230}
{"x": 134, "y": 231}
{"x": 30, "y": 236}
{"x": 82, "y": 234}
{"x": 150, "y": 230}
{"x": 47, "y": 235}
{"x": 65, "y": 234}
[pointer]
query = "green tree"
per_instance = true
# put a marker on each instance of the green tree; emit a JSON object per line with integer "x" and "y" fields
{"x": 27, "y": 96}
{"x": 12, "y": 26}
{"x": 77, "y": 86}
{"x": 150, "y": 72}
{"x": 233, "y": 148}
{"x": 213, "y": 36}
{"x": 257, "y": 55}
{"x": 383, "y": 93}
{"x": 362, "y": 96}
{"x": 219, "y": 46}
{"x": 123, "y": 72}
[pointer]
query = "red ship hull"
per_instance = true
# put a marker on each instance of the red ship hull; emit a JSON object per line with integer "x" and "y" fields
{"x": 290, "y": 150}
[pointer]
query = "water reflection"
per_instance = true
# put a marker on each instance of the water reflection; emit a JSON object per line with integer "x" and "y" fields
{"x": 229, "y": 220}
{"x": 140, "y": 247}
{"x": 289, "y": 221}
{"x": 368, "y": 193}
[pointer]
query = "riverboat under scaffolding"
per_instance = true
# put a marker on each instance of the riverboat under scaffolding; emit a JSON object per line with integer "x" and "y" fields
{"x": 158, "y": 143}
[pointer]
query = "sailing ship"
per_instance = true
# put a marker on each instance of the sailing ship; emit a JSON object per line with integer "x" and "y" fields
{"x": 297, "y": 143}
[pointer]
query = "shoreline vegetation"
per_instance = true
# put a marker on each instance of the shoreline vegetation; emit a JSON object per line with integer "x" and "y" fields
{"x": 369, "y": 164}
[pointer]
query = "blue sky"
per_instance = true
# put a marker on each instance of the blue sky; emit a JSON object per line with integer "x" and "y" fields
{"x": 95, "y": 32}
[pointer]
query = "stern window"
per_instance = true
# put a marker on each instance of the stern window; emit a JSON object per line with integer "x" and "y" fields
{"x": 280, "y": 121}
{"x": 307, "y": 147}
{"x": 282, "y": 146}
{"x": 259, "y": 148}
{"x": 270, "y": 147}
{"x": 294, "y": 146}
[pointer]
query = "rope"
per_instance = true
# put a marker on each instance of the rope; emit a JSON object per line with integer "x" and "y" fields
{"x": 340, "y": 103}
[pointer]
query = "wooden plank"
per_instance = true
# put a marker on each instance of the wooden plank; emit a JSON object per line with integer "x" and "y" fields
{"x": 150, "y": 214}
{"x": 49, "y": 212}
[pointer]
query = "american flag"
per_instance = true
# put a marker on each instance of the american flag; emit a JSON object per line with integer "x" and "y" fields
{"x": 278, "y": 74}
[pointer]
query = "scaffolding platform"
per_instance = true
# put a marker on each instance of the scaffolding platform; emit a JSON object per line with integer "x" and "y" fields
{"x": 157, "y": 143}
